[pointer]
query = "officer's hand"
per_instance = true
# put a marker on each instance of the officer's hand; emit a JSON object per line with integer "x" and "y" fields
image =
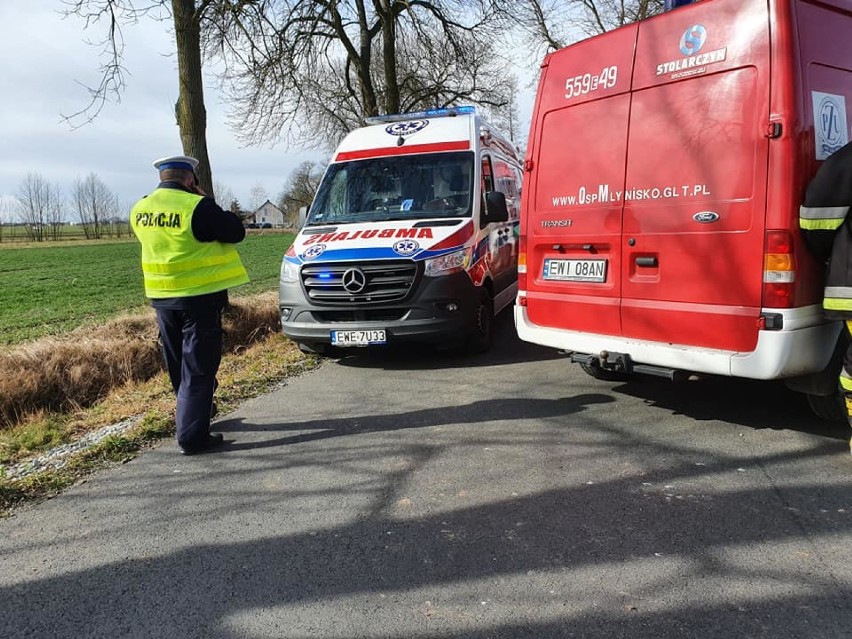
{"x": 196, "y": 187}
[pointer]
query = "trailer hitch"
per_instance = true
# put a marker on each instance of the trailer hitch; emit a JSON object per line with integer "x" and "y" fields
{"x": 622, "y": 363}
{"x": 605, "y": 360}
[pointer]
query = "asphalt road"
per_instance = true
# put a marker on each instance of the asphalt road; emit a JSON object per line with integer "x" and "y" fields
{"x": 420, "y": 495}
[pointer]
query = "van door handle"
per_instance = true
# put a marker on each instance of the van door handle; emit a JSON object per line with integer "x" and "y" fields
{"x": 646, "y": 261}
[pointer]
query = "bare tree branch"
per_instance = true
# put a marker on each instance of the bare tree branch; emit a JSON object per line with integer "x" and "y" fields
{"x": 307, "y": 71}
{"x": 553, "y": 24}
{"x": 115, "y": 14}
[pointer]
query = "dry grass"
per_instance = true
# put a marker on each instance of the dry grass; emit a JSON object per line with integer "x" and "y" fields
{"x": 246, "y": 373}
{"x": 105, "y": 375}
{"x": 74, "y": 372}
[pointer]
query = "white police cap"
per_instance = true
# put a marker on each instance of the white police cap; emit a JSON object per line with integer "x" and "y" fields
{"x": 176, "y": 162}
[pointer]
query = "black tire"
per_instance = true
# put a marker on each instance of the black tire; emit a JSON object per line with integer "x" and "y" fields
{"x": 482, "y": 332}
{"x": 603, "y": 374}
{"x": 831, "y": 408}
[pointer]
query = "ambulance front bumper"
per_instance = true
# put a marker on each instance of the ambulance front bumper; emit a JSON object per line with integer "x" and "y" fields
{"x": 440, "y": 310}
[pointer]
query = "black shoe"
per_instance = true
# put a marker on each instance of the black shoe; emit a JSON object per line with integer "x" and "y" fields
{"x": 212, "y": 441}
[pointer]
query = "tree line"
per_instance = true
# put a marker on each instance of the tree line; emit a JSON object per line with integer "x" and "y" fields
{"x": 39, "y": 211}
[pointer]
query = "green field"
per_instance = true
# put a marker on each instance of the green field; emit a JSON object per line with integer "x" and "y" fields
{"x": 17, "y": 233}
{"x": 48, "y": 290}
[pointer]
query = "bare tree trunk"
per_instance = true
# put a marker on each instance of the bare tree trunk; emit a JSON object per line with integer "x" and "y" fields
{"x": 388, "y": 21}
{"x": 190, "y": 112}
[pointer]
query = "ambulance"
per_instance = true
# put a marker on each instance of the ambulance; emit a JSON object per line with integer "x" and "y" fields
{"x": 665, "y": 168}
{"x": 412, "y": 236}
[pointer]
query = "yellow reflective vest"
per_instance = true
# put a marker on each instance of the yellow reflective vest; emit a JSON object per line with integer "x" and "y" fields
{"x": 174, "y": 263}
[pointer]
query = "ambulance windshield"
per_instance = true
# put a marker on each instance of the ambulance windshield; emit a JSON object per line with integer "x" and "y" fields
{"x": 402, "y": 187}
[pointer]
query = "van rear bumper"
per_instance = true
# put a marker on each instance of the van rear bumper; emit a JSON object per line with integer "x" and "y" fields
{"x": 804, "y": 346}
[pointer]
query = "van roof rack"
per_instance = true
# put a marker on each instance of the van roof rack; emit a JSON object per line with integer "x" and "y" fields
{"x": 446, "y": 112}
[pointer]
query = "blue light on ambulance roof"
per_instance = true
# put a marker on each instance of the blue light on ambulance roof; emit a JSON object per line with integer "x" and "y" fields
{"x": 436, "y": 113}
{"x": 445, "y": 112}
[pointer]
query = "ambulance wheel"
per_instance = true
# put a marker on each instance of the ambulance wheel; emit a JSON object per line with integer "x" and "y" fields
{"x": 603, "y": 374}
{"x": 829, "y": 407}
{"x": 482, "y": 333}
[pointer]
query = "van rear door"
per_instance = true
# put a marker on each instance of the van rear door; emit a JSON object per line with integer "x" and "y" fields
{"x": 573, "y": 204}
{"x": 695, "y": 190}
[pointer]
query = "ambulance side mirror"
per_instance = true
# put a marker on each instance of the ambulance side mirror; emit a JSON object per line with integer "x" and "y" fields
{"x": 303, "y": 215}
{"x": 495, "y": 208}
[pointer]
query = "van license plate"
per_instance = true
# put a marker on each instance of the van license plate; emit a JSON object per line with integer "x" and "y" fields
{"x": 575, "y": 270}
{"x": 358, "y": 338}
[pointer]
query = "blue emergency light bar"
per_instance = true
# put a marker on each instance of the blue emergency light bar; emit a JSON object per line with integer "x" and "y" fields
{"x": 447, "y": 112}
{"x": 674, "y": 4}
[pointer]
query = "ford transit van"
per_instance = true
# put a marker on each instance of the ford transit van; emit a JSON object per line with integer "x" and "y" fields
{"x": 666, "y": 164}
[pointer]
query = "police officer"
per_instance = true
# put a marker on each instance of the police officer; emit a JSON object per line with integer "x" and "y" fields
{"x": 822, "y": 219}
{"x": 189, "y": 263}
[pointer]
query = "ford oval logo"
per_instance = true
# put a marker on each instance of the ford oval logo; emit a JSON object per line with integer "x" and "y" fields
{"x": 706, "y": 217}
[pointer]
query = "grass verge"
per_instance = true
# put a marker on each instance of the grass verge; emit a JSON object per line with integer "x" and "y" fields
{"x": 244, "y": 373}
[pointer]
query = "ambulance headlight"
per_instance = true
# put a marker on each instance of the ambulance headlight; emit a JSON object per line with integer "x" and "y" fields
{"x": 289, "y": 271}
{"x": 450, "y": 263}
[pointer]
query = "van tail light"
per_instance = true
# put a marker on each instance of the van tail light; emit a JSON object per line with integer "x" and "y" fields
{"x": 522, "y": 270}
{"x": 779, "y": 270}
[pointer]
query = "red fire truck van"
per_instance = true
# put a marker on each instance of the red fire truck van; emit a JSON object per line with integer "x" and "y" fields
{"x": 665, "y": 168}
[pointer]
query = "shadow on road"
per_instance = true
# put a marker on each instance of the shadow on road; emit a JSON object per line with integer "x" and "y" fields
{"x": 752, "y": 403}
{"x": 445, "y": 416}
{"x": 484, "y": 570}
{"x": 507, "y": 349}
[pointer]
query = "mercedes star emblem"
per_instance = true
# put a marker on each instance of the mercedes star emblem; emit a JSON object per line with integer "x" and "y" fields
{"x": 354, "y": 280}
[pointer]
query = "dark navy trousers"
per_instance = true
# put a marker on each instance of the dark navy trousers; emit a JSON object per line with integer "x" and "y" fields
{"x": 192, "y": 350}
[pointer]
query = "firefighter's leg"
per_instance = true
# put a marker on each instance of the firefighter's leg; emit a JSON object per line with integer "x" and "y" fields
{"x": 846, "y": 379}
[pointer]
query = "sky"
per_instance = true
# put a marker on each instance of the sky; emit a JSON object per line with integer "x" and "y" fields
{"x": 46, "y": 62}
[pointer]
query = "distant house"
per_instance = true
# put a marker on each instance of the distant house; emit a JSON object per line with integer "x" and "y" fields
{"x": 268, "y": 214}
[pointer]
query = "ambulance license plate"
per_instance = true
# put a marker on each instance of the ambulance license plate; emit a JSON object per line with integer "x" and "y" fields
{"x": 358, "y": 338}
{"x": 575, "y": 270}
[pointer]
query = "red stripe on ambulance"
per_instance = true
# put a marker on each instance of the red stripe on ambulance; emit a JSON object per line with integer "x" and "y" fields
{"x": 456, "y": 239}
{"x": 436, "y": 147}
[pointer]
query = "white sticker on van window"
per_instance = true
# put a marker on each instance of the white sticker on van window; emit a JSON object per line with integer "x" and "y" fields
{"x": 830, "y": 128}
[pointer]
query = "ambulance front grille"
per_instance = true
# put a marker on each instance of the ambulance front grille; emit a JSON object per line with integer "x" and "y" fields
{"x": 344, "y": 283}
